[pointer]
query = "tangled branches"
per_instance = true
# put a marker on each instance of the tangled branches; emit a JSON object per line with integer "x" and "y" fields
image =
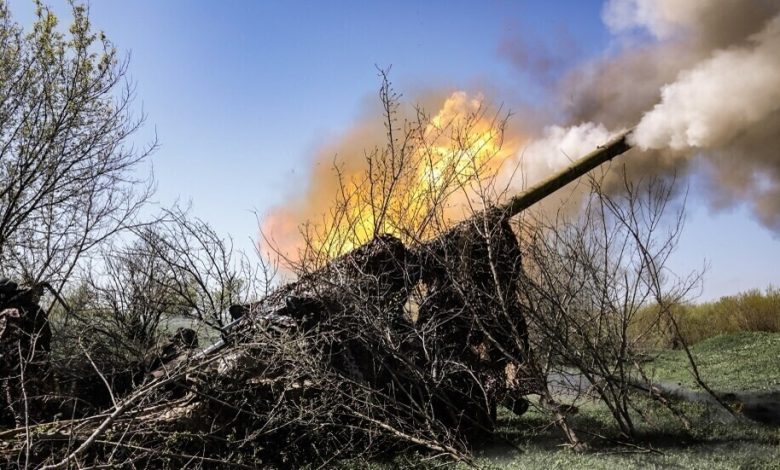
{"x": 406, "y": 342}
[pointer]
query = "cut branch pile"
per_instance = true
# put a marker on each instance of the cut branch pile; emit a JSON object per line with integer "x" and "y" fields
{"x": 332, "y": 361}
{"x": 384, "y": 349}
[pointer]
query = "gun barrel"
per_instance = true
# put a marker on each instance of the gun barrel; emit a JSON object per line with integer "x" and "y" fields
{"x": 384, "y": 254}
{"x": 555, "y": 182}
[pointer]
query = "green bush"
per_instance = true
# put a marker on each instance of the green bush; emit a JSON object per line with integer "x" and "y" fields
{"x": 752, "y": 310}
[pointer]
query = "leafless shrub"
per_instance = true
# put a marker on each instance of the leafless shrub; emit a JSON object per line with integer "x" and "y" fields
{"x": 586, "y": 281}
{"x": 207, "y": 274}
{"x": 177, "y": 272}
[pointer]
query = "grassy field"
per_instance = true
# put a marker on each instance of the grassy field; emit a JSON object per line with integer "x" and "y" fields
{"x": 740, "y": 361}
{"x": 728, "y": 362}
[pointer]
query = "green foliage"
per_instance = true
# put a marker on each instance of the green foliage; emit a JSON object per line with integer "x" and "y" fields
{"x": 748, "y": 311}
{"x": 67, "y": 169}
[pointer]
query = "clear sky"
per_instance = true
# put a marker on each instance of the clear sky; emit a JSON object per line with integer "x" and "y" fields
{"x": 241, "y": 94}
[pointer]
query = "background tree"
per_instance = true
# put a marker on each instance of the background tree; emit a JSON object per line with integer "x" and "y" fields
{"x": 68, "y": 170}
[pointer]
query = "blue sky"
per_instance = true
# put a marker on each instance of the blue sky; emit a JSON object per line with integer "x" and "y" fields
{"x": 242, "y": 93}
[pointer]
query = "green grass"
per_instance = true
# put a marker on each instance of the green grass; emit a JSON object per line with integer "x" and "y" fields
{"x": 728, "y": 362}
{"x": 664, "y": 443}
{"x": 738, "y": 361}
{"x": 747, "y": 360}
{"x": 702, "y": 456}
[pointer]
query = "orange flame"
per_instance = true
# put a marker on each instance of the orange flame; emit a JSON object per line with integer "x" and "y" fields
{"x": 430, "y": 176}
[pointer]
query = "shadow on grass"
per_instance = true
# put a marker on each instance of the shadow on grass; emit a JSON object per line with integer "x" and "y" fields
{"x": 660, "y": 433}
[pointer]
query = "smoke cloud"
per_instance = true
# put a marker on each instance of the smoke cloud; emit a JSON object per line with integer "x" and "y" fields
{"x": 705, "y": 89}
{"x": 554, "y": 149}
{"x": 698, "y": 79}
{"x": 719, "y": 98}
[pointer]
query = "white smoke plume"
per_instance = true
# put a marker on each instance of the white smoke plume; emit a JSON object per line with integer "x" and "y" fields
{"x": 705, "y": 88}
{"x": 719, "y": 98}
{"x": 556, "y": 148}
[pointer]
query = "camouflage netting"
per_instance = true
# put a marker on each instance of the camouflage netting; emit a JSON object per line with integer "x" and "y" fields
{"x": 470, "y": 277}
